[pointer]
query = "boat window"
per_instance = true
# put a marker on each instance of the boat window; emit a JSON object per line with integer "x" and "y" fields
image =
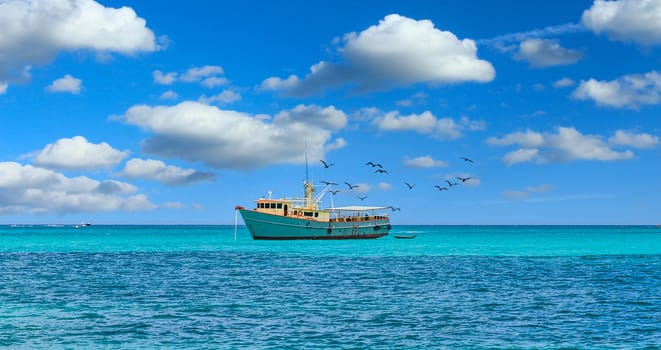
{"x": 307, "y": 213}
{"x": 279, "y": 205}
{"x": 260, "y": 205}
{"x": 272, "y": 205}
{"x": 316, "y": 215}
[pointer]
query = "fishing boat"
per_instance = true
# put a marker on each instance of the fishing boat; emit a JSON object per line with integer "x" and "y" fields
{"x": 304, "y": 218}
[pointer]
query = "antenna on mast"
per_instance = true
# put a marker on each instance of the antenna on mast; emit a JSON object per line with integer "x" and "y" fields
{"x": 306, "y": 162}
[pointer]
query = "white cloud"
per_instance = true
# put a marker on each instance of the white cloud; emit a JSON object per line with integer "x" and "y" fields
{"x": 328, "y": 117}
{"x": 194, "y": 131}
{"x": 624, "y": 138}
{"x": 521, "y": 156}
{"x": 567, "y": 145}
{"x": 77, "y": 153}
{"x": 626, "y": 20}
{"x": 223, "y": 98}
{"x": 208, "y": 76}
{"x": 525, "y": 193}
{"x": 424, "y": 162}
{"x": 564, "y": 82}
{"x": 630, "y": 91}
{"x": 169, "y": 95}
{"x": 384, "y": 186}
{"x": 167, "y": 174}
{"x": 200, "y": 73}
{"x": 399, "y": 51}
{"x": 164, "y": 78}
{"x": 65, "y": 84}
{"x": 427, "y": 123}
{"x": 503, "y": 41}
{"x": 33, "y": 32}
{"x": 173, "y": 205}
{"x": 3, "y": 87}
{"x": 419, "y": 98}
{"x": 31, "y": 190}
{"x": 540, "y": 53}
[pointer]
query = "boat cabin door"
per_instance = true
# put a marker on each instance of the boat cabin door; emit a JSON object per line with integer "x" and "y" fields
{"x": 285, "y": 210}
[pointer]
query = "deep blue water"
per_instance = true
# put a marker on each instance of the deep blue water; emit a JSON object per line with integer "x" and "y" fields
{"x": 450, "y": 287}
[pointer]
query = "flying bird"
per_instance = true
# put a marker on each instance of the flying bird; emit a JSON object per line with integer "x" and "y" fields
{"x": 334, "y": 192}
{"x": 451, "y": 183}
{"x": 326, "y": 165}
{"x": 464, "y": 179}
{"x": 466, "y": 159}
{"x": 374, "y": 164}
{"x": 409, "y": 185}
{"x": 381, "y": 171}
{"x": 328, "y": 183}
{"x": 441, "y": 188}
{"x": 393, "y": 208}
{"x": 350, "y": 185}
{"x": 361, "y": 198}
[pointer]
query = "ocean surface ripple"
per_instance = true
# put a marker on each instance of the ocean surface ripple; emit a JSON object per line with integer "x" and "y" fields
{"x": 246, "y": 294}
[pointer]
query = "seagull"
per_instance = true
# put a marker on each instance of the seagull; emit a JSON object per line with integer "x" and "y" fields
{"x": 464, "y": 179}
{"x": 374, "y": 164}
{"x": 451, "y": 183}
{"x": 328, "y": 183}
{"x": 381, "y": 171}
{"x": 441, "y": 188}
{"x": 350, "y": 185}
{"x": 326, "y": 165}
{"x": 361, "y": 198}
{"x": 393, "y": 208}
{"x": 334, "y": 192}
{"x": 466, "y": 159}
{"x": 409, "y": 185}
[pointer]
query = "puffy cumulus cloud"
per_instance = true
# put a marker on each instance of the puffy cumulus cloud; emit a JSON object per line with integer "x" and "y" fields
{"x": 525, "y": 193}
{"x": 427, "y": 123}
{"x": 193, "y": 131}
{"x": 424, "y": 162}
{"x": 77, "y": 153}
{"x": 636, "y": 21}
{"x": 164, "y": 78}
{"x": 169, "y": 95}
{"x": 223, "y": 98}
{"x": 167, "y": 174}
{"x": 540, "y": 53}
{"x": 25, "y": 189}
{"x": 65, "y": 84}
{"x": 207, "y": 76}
{"x": 399, "y": 51}
{"x": 33, "y": 32}
{"x": 630, "y": 91}
{"x": 568, "y": 144}
{"x": 563, "y": 83}
{"x": 624, "y": 138}
{"x": 328, "y": 117}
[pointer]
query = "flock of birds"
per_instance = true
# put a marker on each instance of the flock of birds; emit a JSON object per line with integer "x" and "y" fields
{"x": 381, "y": 170}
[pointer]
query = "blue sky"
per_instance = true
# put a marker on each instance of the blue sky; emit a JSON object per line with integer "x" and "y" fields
{"x": 120, "y": 112}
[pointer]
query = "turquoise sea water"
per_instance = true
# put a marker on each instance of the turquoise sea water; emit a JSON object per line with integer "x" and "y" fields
{"x": 450, "y": 287}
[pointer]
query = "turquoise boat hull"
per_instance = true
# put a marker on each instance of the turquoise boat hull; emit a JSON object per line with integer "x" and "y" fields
{"x": 277, "y": 227}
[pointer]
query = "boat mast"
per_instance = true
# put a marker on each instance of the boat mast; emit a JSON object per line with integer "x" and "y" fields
{"x": 308, "y": 188}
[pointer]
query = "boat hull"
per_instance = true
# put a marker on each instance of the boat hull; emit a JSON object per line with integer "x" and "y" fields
{"x": 264, "y": 226}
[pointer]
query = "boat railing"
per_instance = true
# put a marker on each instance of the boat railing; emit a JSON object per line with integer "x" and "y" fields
{"x": 358, "y": 218}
